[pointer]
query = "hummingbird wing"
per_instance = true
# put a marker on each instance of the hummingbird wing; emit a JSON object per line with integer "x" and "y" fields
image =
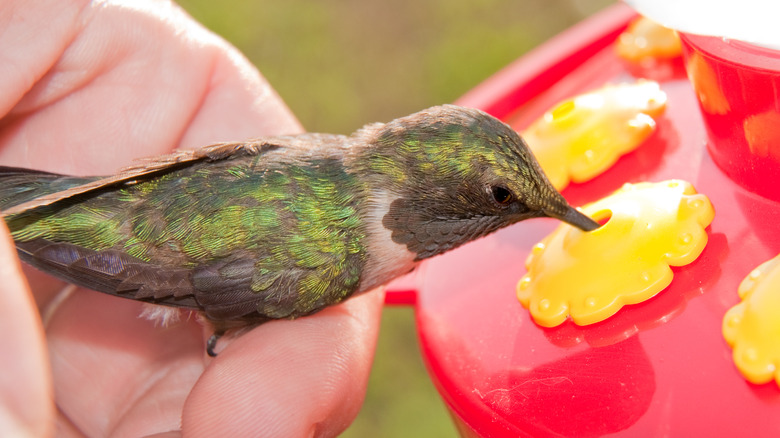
{"x": 111, "y": 271}
{"x": 143, "y": 169}
{"x": 225, "y": 290}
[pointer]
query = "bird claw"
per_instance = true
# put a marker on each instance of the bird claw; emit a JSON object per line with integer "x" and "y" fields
{"x": 211, "y": 344}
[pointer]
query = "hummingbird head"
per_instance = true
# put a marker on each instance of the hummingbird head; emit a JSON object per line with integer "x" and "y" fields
{"x": 453, "y": 174}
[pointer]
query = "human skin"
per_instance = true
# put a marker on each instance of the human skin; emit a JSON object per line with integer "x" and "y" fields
{"x": 87, "y": 87}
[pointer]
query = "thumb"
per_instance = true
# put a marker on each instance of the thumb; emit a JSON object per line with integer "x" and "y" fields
{"x": 289, "y": 378}
{"x": 26, "y": 395}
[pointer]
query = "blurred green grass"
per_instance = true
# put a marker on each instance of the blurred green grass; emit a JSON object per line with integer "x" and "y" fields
{"x": 342, "y": 64}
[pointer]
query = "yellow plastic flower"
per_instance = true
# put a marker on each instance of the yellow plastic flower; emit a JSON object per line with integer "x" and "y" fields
{"x": 707, "y": 84}
{"x": 646, "y": 39}
{"x": 590, "y": 276}
{"x": 762, "y": 135}
{"x": 752, "y": 327}
{"x": 582, "y": 137}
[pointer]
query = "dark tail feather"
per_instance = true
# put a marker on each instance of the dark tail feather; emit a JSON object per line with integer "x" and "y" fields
{"x": 19, "y": 185}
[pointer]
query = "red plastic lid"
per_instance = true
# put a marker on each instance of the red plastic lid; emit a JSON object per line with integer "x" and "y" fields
{"x": 657, "y": 368}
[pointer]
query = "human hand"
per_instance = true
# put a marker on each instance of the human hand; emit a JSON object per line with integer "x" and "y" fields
{"x": 87, "y": 88}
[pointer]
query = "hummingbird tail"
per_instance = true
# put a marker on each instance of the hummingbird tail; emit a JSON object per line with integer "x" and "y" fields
{"x": 18, "y": 185}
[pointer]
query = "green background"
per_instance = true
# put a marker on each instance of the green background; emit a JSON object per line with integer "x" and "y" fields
{"x": 340, "y": 64}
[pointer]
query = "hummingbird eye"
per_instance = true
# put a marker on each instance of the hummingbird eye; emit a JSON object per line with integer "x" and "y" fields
{"x": 502, "y": 195}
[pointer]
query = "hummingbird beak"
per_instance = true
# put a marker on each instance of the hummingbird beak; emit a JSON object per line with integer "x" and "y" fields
{"x": 572, "y": 216}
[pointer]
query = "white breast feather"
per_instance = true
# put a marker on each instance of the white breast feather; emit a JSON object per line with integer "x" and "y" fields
{"x": 386, "y": 259}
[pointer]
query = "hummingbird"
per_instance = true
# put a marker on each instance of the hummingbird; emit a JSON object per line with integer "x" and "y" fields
{"x": 281, "y": 227}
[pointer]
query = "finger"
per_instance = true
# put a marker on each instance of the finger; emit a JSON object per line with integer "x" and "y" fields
{"x": 116, "y": 374}
{"x": 34, "y": 36}
{"x": 240, "y": 105}
{"x": 26, "y": 407}
{"x": 289, "y": 378}
{"x": 91, "y": 84}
